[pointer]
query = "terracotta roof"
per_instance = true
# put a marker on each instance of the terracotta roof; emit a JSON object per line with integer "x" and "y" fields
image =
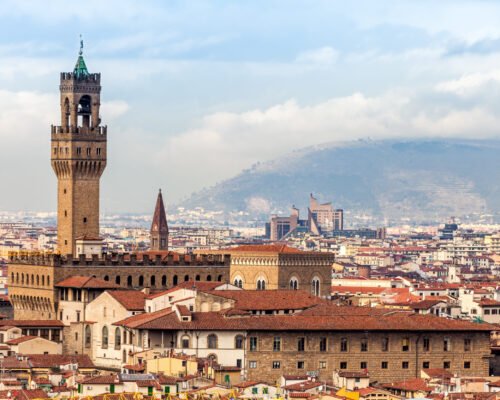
{"x": 132, "y": 300}
{"x": 42, "y": 323}
{"x": 295, "y": 377}
{"x": 489, "y": 303}
{"x": 86, "y": 282}
{"x": 102, "y": 380}
{"x": 299, "y": 395}
{"x": 409, "y": 385}
{"x": 30, "y": 394}
{"x": 51, "y": 360}
{"x": 21, "y": 339}
{"x": 438, "y": 373}
{"x": 136, "y": 368}
{"x": 192, "y": 285}
{"x": 269, "y": 299}
{"x": 167, "y": 380}
{"x": 425, "y": 304}
{"x": 369, "y": 320}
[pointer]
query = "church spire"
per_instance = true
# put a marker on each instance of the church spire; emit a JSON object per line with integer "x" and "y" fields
{"x": 159, "y": 226}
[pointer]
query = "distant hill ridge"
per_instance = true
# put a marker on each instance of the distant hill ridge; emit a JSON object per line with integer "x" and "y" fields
{"x": 428, "y": 180}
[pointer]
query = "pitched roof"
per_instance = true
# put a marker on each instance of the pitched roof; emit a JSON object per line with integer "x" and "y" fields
{"x": 43, "y": 323}
{"x": 132, "y": 300}
{"x": 21, "y": 339}
{"x": 102, "y": 380}
{"x": 51, "y": 360}
{"x": 412, "y": 385}
{"x": 159, "y": 223}
{"x": 389, "y": 321}
{"x": 438, "y": 373}
{"x": 24, "y": 394}
{"x": 269, "y": 299}
{"x": 86, "y": 282}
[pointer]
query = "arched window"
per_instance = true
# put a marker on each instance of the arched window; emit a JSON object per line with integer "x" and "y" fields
{"x": 164, "y": 280}
{"x": 118, "y": 339}
{"x": 117, "y": 279}
{"x": 152, "y": 281}
{"x": 239, "y": 342}
{"x": 17, "y": 277}
{"x": 48, "y": 280}
{"x": 186, "y": 278}
{"x": 11, "y": 278}
{"x": 219, "y": 278}
{"x": 185, "y": 342}
{"x": 37, "y": 280}
{"x": 212, "y": 341}
{"x": 294, "y": 283}
{"x": 32, "y": 279}
{"x": 106, "y": 277}
{"x": 197, "y": 278}
{"x": 124, "y": 356}
{"x": 43, "y": 280}
{"x": 88, "y": 336}
{"x": 261, "y": 284}
{"x": 315, "y": 286}
{"x": 209, "y": 278}
{"x": 105, "y": 337}
{"x": 238, "y": 282}
{"x": 141, "y": 281}
{"x": 175, "y": 280}
{"x": 129, "y": 281}
{"x": 22, "y": 279}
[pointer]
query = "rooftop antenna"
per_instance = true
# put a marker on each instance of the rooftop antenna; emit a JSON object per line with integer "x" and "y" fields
{"x": 81, "y": 45}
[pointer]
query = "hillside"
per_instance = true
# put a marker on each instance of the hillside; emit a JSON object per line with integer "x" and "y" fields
{"x": 423, "y": 179}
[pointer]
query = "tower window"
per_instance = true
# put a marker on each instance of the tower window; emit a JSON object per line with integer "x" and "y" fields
{"x": 55, "y": 151}
{"x": 84, "y": 220}
{"x": 98, "y": 151}
{"x": 78, "y": 151}
{"x": 88, "y": 151}
{"x": 64, "y": 191}
{"x": 65, "y": 213}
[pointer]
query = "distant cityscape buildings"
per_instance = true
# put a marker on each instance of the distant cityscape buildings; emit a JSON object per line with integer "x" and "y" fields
{"x": 322, "y": 220}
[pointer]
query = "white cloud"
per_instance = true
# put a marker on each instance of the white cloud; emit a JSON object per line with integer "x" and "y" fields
{"x": 469, "y": 83}
{"x": 322, "y": 56}
{"x": 224, "y": 143}
{"x": 114, "y": 108}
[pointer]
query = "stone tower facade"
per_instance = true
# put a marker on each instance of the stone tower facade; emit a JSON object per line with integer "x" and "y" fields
{"x": 159, "y": 226}
{"x": 78, "y": 156}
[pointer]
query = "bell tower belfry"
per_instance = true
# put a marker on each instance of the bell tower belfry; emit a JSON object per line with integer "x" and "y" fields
{"x": 78, "y": 156}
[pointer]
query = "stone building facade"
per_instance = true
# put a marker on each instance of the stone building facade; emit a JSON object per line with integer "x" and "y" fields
{"x": 33, "y": 279}
{"x": 280, "y": 267}
{"x": 324, "y": 352}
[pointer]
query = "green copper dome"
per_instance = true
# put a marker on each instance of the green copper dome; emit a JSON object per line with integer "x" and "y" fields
{"x": 80, "y": 71}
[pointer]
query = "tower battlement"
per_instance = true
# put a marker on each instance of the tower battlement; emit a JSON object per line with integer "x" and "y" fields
{"x": 57, "y": 131}
{"x": 70, "y": 77}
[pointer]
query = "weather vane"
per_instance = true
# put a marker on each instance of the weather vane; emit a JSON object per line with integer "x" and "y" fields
{"x": 81, "y": 45}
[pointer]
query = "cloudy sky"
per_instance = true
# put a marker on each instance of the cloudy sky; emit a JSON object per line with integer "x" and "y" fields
{"x": 195, "y": 91}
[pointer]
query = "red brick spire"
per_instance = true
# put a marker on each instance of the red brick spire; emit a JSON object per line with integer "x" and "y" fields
{"x": 159, "y": 226}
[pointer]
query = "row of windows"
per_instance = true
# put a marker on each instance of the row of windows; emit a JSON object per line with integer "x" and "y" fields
{"x": 294, "y": 284}
{"x": 30, "y": 279}
{"x": 344, "y": 344}
{"x": 65, "y": 150}
{"x": 213, "y": 342}
{"x": 362, "y": 365}
{"x": 141, "y": 280}
{"x": 494, "y": 311}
